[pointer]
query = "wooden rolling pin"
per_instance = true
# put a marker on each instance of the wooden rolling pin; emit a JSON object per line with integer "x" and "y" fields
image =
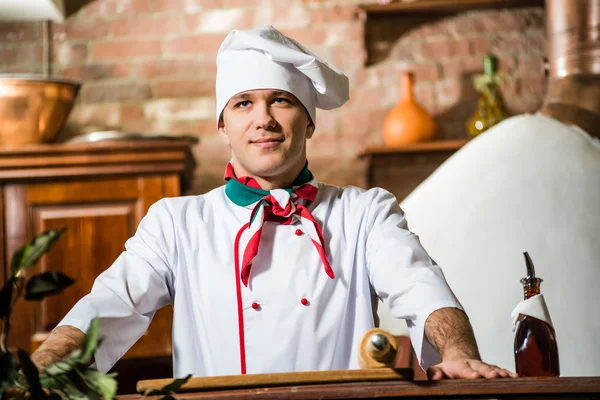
{"x": 376, "y": 357}
{"x": 378, "y": 349}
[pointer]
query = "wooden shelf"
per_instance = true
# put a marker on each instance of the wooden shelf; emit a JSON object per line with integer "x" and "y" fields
{"x": 401, "y": 169}
{"x": 444, "y": 6}
{"x": 423, "y": 147}
{"x": 384, "y": 24}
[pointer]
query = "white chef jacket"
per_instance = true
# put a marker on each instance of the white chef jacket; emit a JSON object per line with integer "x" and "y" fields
{"x": 182, "y": 254}
{"x": 530, "y": 183}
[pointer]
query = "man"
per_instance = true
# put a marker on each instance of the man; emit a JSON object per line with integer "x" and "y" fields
{"x": 531, "y": 183}
{"x": 274, "y": 271}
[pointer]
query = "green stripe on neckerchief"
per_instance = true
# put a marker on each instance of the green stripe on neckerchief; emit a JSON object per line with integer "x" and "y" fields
{"x": 243, "y": 195}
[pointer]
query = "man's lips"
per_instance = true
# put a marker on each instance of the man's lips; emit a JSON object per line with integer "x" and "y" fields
{"x": 268, "y": 142}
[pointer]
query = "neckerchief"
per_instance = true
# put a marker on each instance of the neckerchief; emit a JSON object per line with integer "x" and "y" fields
{"x": 278, "y": 205}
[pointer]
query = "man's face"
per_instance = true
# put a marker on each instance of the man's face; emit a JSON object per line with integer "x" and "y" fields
{"x": 267, "y": 131}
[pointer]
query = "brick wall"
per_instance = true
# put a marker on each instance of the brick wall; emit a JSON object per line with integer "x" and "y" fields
{"x": 149, "y": 65}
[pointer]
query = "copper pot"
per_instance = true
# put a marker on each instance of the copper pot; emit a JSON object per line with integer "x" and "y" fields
{"x": 33, "y": 108}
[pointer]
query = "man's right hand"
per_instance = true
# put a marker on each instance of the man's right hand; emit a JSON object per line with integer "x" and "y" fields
{"x": 59, "y": 344}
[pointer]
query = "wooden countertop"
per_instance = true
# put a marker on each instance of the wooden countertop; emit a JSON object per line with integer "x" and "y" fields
{"x": 538, "y": 388}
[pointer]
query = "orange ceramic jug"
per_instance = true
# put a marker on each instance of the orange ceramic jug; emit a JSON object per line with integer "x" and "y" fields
{"x": 408, "y": 122}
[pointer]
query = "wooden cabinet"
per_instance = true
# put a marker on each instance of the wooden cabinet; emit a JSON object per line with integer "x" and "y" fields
{"x": 99, "y": 192}
{"x": 400, "y": 170}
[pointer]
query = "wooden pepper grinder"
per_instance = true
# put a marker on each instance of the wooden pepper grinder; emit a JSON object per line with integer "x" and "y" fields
{"x": 378, "y": 349}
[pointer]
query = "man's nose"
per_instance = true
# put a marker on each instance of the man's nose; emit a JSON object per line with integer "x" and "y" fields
{"x": 263, "y": 119}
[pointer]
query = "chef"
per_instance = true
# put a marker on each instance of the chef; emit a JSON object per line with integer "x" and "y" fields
{"x": 274, "y": 271}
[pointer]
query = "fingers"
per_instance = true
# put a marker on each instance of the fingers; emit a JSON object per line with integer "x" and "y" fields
{"x": 452, "y": 370}
{"x": 435, "y": 373}
{"x": 490, "y": 371}
{"x": 467, "y": 369}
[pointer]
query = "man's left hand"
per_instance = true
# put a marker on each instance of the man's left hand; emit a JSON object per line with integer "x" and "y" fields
{"x": 467, "y": 369}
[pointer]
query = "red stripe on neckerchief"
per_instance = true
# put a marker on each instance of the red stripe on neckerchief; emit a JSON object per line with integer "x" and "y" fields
{"x": 278, "y": 206}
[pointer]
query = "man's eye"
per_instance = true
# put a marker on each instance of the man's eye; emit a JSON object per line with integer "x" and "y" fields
{"x": 242, "y": 104}
{"x": 281, "y": 100}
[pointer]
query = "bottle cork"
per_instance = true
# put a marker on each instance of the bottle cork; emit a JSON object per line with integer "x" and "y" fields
{"x": 378, "y": 349}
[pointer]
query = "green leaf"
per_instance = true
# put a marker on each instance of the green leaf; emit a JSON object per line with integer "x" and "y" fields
{"x": 15, "y": 264}
{"x": 6, "y": 298}
{"x": 46, "y": 284}
{"x": 91, "y": 340}
{"x": 104, "y": 384}
{"x": 31, "y": 375}
{"x": 34, "y": 250}
{"x": 8, "y": 370}
{"x": 171, "y": 387}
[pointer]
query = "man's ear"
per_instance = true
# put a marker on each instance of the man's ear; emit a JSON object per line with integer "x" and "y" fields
{"x": 223, "y": 132}
{"x": 310, "y": 129}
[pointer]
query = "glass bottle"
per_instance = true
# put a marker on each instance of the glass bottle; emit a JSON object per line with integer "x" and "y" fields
{"x": 490, "y": 106}
{"x": 536, "y": 351}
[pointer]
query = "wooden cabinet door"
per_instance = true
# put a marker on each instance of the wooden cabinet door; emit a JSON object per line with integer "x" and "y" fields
{"x": 100, "y": 215}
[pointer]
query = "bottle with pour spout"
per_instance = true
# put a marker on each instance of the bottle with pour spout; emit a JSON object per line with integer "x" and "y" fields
{"x": 536, "y": 350}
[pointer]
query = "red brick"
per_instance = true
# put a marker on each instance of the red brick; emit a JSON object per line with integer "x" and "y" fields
{"x": 30, "y": 54}
{"x": 115, "y": 93}
{"x": 334, "y": 13}
{"x": 20, "y": 31}
{"x": 126, "y": 49}
{"x": 186, "y": 6}
{"x": 180, "y": 109}
{"x": 219, "y": 21}
{"x": 165, "y": 68}
{"x": 323, "y": 144}
{"x": 96, "y": 72}
{"x": 448, "y": 93}
{"x": 461, "y": 68}
{"x": 70, "y": 53}
{"x": 188, "y": 45}
{"x": 536, "y": 42}
{"x": 74, "y": 29}
{"x": 361, "y": 122}
{"x": 112, "y": 8}
{"x": 445, "y": 49}
{"x": 132, "y": 112}
{"x": 293, "y": 16}
{"x": 479, "y": 46}
{"x": 509, "y": 44}
{"x": 425, "y": 95}
{"x": 327, "y": 123}
{"x": 243, "y": 3}
{"x": 197, "y": 128}
{"x": 348, "y": 58}
{"x": 212, "y": 147}
{"x": 101, "y": 115}
{"x": 368, "y": 98}
{"x": 307, "y": 37}
{"x": 425, "y": 72}
{"x": 342, "y": 34}
{"x": 532, "y": 86}
{"x": 184, "y": 88}
{"x": 441, "y": 29}
{"x": 8, "y": 56}
{"x": 531, "y": 65}
{"x": 499, "y": 21}
{"x": 149, "y": 26}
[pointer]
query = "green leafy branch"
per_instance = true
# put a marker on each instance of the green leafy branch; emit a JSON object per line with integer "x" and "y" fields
{"x": 71, "y": 377}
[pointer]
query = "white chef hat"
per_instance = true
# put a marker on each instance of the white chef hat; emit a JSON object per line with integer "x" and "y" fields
{"x": 264, "y": 58}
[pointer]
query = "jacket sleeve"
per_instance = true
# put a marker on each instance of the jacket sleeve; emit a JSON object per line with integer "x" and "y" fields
{"x": 402, "y": 274}
{"x": 126, "y": 296}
